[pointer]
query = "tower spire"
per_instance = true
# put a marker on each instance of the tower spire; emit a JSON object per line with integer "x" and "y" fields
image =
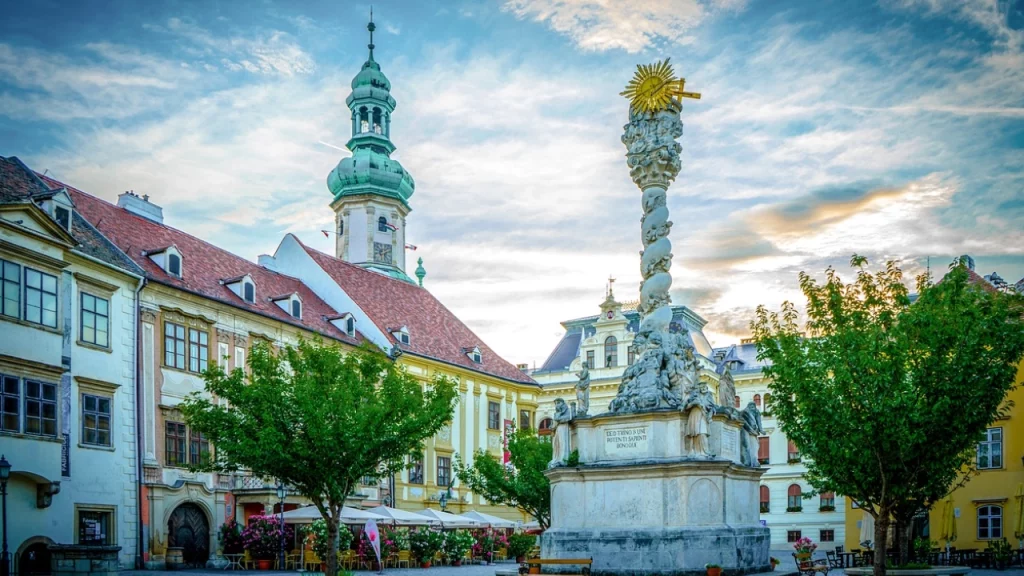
{"x": 371, "y": 27}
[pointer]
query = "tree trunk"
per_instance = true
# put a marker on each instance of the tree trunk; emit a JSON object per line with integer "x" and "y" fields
{"x": 881, "y": 540}
{"x": 332, "y": 545}
{"x": 903, "y": 532}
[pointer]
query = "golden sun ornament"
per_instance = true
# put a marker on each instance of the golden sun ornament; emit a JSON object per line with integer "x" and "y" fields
{"x": 653, "y": 87}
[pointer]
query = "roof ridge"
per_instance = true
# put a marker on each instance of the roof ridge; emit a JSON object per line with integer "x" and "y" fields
{"x": 354, "y": 266}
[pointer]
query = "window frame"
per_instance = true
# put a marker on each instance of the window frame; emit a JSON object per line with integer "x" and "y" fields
{"x": 525, "y": 420}
{"x": 827, "y": 501}
{"x": 992, "y": 532}
{"x": 43, "y": 402}
{"x": 822, "y": 532}
{"x": 249, "y": 292}
{"x": 993, "y": 449}
{"x": 202, "y": 350}
{"x": 82, "y": 294}
{"x": 97, "y": 415}
{"x": 765, "y": 499}
{"x": 5, "y": 286}
{"x": 110, "y": 511}
{"x": 764, "y": 442}
{"x": 792, "y": 452}
{"x": 611, "y": 352}
{"x": 196, "y": 442}
{"x": 176, "y": 339}
{"x": 446, "y": 469}
{"x": 43, "y": 276}
{"x": 182, "y": 438}
{"x": 793, "y": 535}
{"x": 416, "y": 471}
{"x": 590, "y": 359}
{"x": 64, "y": 222}
{"x": 296, "y": 308}
{"x": 794, "y": 502}
{"x": 493, "y": 415}
{"x": 170, "y": 265}
{"x": 4, "y": 402}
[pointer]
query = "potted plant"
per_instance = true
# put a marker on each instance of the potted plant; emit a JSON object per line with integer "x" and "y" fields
{"x": 519, "y": 545}
{"x": 1001, "y": 553}
{"x": 425, "y": 544}
{"x": 230, "y": 536}
{"x": 262, "y": 538}
{"x": 456, "y": 544}
{"x": 713, "y": 569}
{"x": 393, "y": 540}
{"x": 315, "y": 535}
{"x": 487, "y": 541}
{"x": 774, "y": 562}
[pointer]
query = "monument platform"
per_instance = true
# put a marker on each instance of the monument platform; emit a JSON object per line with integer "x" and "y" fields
{"x": 640, "y": 502}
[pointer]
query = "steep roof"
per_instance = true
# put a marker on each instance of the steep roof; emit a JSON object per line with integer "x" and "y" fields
{"x": 434, "y": 331}
{"x": 18, "y": 183}
{"x": 204, "y": 265}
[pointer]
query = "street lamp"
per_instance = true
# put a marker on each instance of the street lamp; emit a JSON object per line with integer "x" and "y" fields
{"x": 5, "y": 473}
{"x": 280, "y": 496}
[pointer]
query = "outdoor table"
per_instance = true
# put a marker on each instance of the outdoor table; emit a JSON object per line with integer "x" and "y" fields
{"x": 234, "y": 561}
{"x": 846, "y": 558}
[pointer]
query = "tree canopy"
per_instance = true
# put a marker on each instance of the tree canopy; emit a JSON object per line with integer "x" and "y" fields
{"x": 521, "y": 485}
{"x": 887, "y": 398}
{"x": 318, "y": 419}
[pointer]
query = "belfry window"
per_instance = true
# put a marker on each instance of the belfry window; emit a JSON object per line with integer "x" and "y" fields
{"x": 377, "y": 124}
{"x": 364, "y": 120}
{"x": 382, "y": 224}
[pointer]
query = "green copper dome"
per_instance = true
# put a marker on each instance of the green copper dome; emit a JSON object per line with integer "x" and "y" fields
{"x": 370, "y": 169}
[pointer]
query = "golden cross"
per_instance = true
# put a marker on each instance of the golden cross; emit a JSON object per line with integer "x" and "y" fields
{"x": 683, "y": 93}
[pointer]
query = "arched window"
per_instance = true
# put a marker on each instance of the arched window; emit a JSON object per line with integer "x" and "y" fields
{"x": 350, "y": 326}
{"x": 827, "y": 501}
{"x": 364, "y": 120}
{"x": 382, "y": 224}
{"x": 377, "y": 124}
{"x": 765, "y": 500}
{"x": 763, "y": 450}
{"x": 545, "y": 424}
{"x": 174, "y": 264}
{"x": 611, "y": 352}
{"x": 296, "y": 309}
{"x": 794, "y": 453}
{"x": 757, "y": 401}
{"x": 990, "y": 522}
{"x": 737, "y": 401}
{"x": 249, "y": 292}
{"x": 794, "y": 503}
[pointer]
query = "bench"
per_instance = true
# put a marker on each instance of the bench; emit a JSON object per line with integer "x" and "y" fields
{"x": 524, "y": 568}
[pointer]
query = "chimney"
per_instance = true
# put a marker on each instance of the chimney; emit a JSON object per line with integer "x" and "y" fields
{"x": 131, "y": 202}
{"x": 525, "y": 368}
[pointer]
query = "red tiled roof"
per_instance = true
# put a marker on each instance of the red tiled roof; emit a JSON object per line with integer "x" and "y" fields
{"x": 434, "y": 331}
{"x": 203, "y": 266}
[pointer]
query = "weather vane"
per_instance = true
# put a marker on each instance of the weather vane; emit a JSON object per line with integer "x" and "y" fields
{"x": 653, "y": 87}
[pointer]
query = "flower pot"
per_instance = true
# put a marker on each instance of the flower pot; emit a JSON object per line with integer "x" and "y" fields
{"x": 714, "y": 571}
{"x": 424, "y": 564}
{"x": 323, "y": 567}
{"x": 263, "y": 564}
{"x": 534, "y": 569}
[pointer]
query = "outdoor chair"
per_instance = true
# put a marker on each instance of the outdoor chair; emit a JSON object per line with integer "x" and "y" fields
{"x": 247, "y": 562}
{"x": 310, "y": 561}
{"x": 809, "y": 566}
{"x": 840, "y": 549}
{"x": 501, "y": 554}
{"x": 834, "y": 562}
{"x": 404, "y": 557}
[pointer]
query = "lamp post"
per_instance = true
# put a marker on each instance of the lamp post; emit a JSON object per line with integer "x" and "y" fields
{"x": 280, "y": 496}
{"x": 5, "y": 473}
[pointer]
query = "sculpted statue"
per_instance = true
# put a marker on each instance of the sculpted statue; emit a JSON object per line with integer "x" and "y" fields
{"x": 560, "y": 448}
{"x": 726, "y": 388}
{"x": 647, "y": 385}
{"x": 751, "y": 418}
{"x": 699, "y": 407}
{"x": 583, "y": 391}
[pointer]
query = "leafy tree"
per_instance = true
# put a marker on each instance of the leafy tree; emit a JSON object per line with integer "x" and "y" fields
{"x": 523, "y": 485}
{"x": 319, "y": 420}
{"x": 887, "y": 399}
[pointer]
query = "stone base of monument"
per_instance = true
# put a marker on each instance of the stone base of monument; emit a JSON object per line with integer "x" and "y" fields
{"x": 640, "y": 503}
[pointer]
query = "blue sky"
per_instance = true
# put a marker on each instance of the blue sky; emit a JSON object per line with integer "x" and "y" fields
{"x": 892, "y": 129}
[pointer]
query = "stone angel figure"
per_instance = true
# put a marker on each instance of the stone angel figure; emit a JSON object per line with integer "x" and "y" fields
{"x": 583, "y": 391}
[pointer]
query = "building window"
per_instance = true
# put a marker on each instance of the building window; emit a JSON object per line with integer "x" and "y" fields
{"x": 794, "y": 454}
{"x": 794, "y": 503}
{"x": 493, "y": 416}
{"x": 382, "y": 224}
{"x": 95, "y": 527}
{"x": 249, "y": 292}
{"x": 368, "y": 481}
{"x": 736, "y": 401}
{"x": 630, "y": 356}
{"x": 990, "y": 522}
{"x": 198, "y": 350}
{"x": 827, "y": 501}
{"x": 444, "y": 470}
{"x": 767, "y": 407}
{"x": 95, "y": 420}
{"x": 590, "y": 359}
{"x": 174, "y": 345}
{"x": 757, "y": 401}
{"x": 10, "y": 401}
{"x": 350, "y": 326}
{"x": 990, "y": 450}
{"x": 765, "y": 500}
{"x": 611, "y": 352}
{"x": 826, "y": 535}
{"x": 416, "y": 471}
{"x": 524, "y": 420}
{"x": 95, "y": 320}
{"x": 763, "y": 449}
{"x": 792, "y": 535}
{"x": 40, "y": 408}
{"x": 341, "y": 227}
{"x": 546, "y": 424}
{"x": 174, "y": 444}
{"x": 62, "y": 216}
{"x": 40, "y": 298}
{"x": 296, "y": 308}
{"x": 174, "y": 264}
{"x": 10, "y": 288}
{"x": 198, "y": 448}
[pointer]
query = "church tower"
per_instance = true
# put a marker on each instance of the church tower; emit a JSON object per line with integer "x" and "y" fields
{"x": 371, "y": 190}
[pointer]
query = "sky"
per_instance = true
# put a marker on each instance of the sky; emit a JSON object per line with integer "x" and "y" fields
{"x": 892, "y": 129}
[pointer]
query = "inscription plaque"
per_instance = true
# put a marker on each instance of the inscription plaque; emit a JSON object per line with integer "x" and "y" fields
{"x": 626, "y": 440}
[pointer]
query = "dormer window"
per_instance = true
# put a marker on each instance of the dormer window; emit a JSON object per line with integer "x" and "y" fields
{"x": 290, "y": 303}
{"x": 63, "y": 217}
{"x": 350, "y": 326}
{"x": 401, "y": 334}
{"x": 249, "y": 292}
{"x": 474, "y": 354}
{"x": 174, "y": 265}
{"x": 345, "y": 322}
{"x": 296, "y": 308}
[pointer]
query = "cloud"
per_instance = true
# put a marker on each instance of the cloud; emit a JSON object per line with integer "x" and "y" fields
{"x": 266, "y": 52}
{"x": 599, "y": 25}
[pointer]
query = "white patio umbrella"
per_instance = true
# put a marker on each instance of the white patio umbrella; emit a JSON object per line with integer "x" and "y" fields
{"x": 348, "y": 515}
{"x": 449, "y": 520}
{"x": 491, "y": 521}
{"x": 867, "y": 527}
{"x": 403, "y": 518}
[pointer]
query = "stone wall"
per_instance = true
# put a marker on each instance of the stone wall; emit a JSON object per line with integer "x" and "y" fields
{"x": 73, "y": 560}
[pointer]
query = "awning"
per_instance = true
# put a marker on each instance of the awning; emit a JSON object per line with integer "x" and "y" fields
{"x": 449, "y": 520}
{"x": 491, "y": 521}
{"x": 403, "y": 518}
{"x": 348, "y": 515}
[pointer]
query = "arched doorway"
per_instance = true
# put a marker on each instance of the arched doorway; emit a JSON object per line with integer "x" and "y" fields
{"x": 189, "y": 530}
{"x": 34, "y": 560}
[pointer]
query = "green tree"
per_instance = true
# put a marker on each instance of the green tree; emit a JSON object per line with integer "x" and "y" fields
{"x": 319, "y": 420}
{"x": 523, "y": 485}
{"x": 887, "y": 399}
